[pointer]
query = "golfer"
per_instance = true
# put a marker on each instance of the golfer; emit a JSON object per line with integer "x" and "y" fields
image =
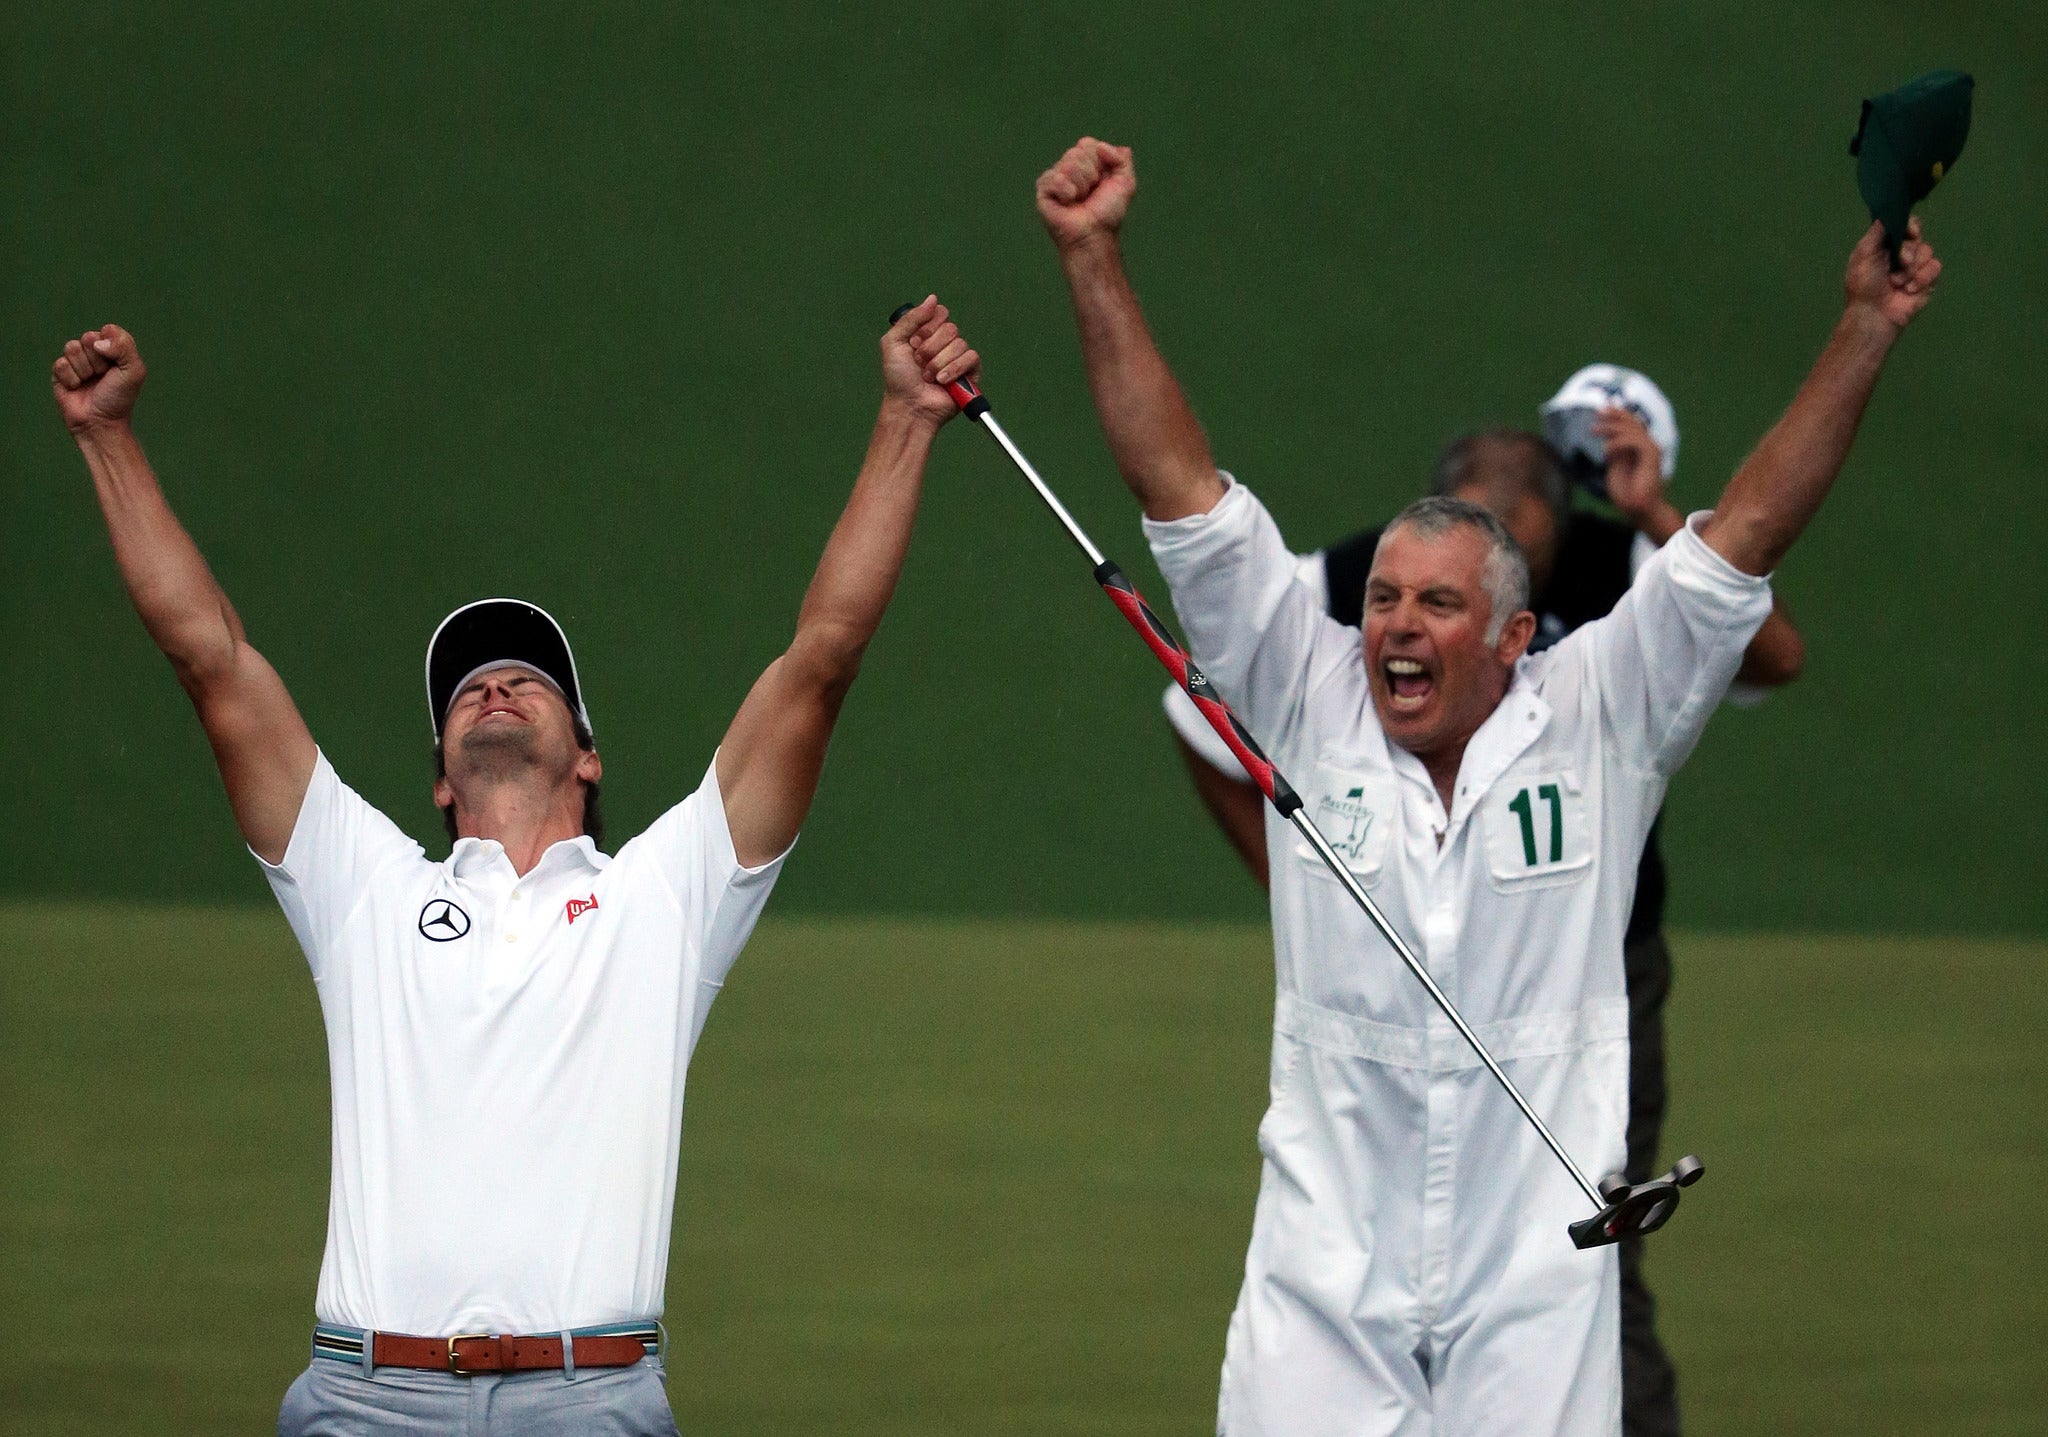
{"x": 508, "y": 1030}
{"x": 1409, "y": 1269}
{"x": 1580, "y": 564}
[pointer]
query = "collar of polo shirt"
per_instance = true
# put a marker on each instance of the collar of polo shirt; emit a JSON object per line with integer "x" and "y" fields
{"x": 472, "y": 856}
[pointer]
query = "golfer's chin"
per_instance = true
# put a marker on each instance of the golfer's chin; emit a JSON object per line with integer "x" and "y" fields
{"x": 497, "y": 748}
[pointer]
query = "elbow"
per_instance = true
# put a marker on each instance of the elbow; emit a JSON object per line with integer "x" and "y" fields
{"x": 826, "y": 659}
{"x": 202, "y": 646}
{"x": 202, "y": 666}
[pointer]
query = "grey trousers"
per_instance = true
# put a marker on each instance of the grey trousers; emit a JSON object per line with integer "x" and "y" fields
{"x": 1649, "y": 1383}
{"x": 335, "y": 1399}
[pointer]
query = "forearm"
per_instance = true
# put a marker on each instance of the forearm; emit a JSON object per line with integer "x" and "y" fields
{"x": 173, "y": 590}
{"x": 1153, "y": 435}
{"x": 774, "y": 752}
{"x": 1781, "y": 486}
{"x": 857, "y": 574}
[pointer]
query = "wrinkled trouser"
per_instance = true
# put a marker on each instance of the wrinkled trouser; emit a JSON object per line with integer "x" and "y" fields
{"x": 1410, "y": 1273}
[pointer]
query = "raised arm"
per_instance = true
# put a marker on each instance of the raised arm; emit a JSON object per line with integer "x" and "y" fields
{"x": 1780, "y": 487}
{"x": 265, "y": 754}
{"x": 1158, "y": 445}
{"x": 772, "y": 756}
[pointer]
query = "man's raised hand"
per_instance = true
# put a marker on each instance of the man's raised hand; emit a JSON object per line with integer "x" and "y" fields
{"x": 97, "y": 377}
{"x": 1873, "y": 287}
{"x": 922, "y": 352}
{"x": 1635, "y": 472}
{"x": 1781, "y": 486}
{"x": 1087, "y": 193}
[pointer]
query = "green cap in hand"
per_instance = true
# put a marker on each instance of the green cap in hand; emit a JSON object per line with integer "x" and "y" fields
{"x": 1906, "y": 141}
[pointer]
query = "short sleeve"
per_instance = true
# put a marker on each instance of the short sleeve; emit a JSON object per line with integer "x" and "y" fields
{"x": 691, "y": 847}
{"x": 339, "y": 844}
{"x": 1664, "y": 658}
{"x": 1259, "y": 634}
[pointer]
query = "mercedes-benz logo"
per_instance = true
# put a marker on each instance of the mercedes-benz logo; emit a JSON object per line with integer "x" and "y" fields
{"x": 443, "y": 922}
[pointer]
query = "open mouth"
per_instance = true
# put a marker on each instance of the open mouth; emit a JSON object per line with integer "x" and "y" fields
{"x": 1410, "y": 684}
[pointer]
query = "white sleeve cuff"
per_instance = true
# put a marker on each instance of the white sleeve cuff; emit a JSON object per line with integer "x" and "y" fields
{"x": 1696, "y": 566}
{"x": 1168, "y": 534}
{"x": 717, "y": 831}
{"x": 319, "y": 796}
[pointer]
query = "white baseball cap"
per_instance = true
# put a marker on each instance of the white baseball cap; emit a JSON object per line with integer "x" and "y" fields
{"x": 1568, "y": 417}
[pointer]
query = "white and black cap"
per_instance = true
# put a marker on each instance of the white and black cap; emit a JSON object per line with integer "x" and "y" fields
{"x": 1568, "y": 418}
{"x": 493, "y": 634}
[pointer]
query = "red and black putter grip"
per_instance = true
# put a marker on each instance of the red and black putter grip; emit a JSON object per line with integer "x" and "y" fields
{"x": 973, "y": 403}
{"x": 1195, "y": 684}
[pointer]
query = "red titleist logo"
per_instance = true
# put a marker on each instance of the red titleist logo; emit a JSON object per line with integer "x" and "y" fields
{"x": 577, "y": 907}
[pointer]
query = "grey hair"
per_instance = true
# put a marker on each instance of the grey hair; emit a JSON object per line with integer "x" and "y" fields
{"x": 1505, "y": 575}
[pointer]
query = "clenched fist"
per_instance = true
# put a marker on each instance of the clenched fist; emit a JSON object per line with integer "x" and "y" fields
{"x": 1087, "y": 193}
{"x": 1896, "y": 295}
{"x": 921, "y": 354}
{"x": 97, "y": 378}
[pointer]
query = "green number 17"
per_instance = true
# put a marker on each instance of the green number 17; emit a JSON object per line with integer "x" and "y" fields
{"x": 1523, "y": 810}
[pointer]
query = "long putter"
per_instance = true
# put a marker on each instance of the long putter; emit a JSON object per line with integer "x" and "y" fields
{"x": 1621, "y": 1208}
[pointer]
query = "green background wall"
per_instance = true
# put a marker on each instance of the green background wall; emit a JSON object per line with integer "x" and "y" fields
{"x": 581, "y": 305}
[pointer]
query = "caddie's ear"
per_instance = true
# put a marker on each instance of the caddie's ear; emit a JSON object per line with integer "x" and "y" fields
{"x": 1515, "y": 636}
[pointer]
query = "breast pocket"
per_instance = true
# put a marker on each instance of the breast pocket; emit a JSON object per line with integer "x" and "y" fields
{"x": 1539, "y": 831}
{"x": 1354, "y": 808}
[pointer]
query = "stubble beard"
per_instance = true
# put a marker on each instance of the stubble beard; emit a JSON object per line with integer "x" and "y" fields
{"x": 500, "y": 753}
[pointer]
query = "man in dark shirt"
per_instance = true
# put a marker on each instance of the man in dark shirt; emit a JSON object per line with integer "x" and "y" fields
{"x": 1580, "y": 564}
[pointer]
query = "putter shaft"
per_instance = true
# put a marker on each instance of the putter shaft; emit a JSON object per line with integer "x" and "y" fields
{"x": 1305, "y": 826}
{"x": 1297, "y": 815}
{"x": 1052, "y": 500}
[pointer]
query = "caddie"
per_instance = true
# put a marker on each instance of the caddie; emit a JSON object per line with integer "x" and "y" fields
{"x": 508, "y": 1029}
{"x": 1409, "y": 1269}
{"x": 1611, "y": 431}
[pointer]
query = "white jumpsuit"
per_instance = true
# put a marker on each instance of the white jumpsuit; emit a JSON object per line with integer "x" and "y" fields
{"x": 1409, "y": 1270}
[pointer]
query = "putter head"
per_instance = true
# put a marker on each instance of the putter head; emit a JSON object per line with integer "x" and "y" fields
{"x": 1634, "y": 1210}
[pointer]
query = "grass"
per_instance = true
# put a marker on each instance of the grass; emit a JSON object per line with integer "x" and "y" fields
{"x": 996, "y": 1177}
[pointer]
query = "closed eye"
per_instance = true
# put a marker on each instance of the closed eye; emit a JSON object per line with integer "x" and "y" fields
{"x": 475, "y": 688}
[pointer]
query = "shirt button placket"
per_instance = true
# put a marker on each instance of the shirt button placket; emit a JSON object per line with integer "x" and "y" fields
{"x": 1440, "y": 1141}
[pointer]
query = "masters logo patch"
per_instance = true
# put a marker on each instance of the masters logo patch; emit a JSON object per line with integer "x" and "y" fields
{"x": 1346, "y": 821}
{"x": 1354, "y": 809}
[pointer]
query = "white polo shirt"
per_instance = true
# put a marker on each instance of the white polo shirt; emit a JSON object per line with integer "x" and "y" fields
{"x": 506, "y": 1057}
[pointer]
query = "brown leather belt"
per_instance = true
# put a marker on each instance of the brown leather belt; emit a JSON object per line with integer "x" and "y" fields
{"x": 472, "y": 1352}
